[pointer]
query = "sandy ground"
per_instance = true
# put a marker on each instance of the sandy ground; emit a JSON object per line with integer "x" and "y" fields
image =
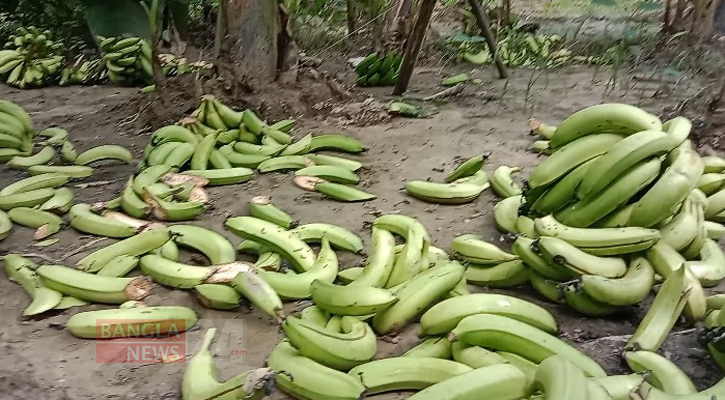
{"x": 41, "y": 360}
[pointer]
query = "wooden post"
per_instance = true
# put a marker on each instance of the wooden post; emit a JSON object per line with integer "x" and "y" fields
{"x": 412, "y": 45}
{"x": 483, "y": 23}
{"x": 221, "y": 27}
{"x": 666, "y": 17}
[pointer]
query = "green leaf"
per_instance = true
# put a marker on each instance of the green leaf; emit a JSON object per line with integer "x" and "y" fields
{"x": 180, "y": 13}
{"x": 460, "y": 38}
{"x": 606, "y": 3}
{"x": 477, "y": 39}
{"x": 111, "y": 18}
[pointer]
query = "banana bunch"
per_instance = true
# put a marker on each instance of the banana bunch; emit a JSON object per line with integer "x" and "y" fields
{"x": 375, "y": 70}
{"x": 84, "y": 73}
{"x": 175, "y": 66}
{"x": 31, "y": 58}
{"x": 517, "y": 49}
{"x": 127, "y": 59}
{"x": 463, "y": 185}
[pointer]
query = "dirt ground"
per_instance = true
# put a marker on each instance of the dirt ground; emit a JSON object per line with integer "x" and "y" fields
{"x": 41, "y": 360}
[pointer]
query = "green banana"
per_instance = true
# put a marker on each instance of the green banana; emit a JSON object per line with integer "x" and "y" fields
{"x": 250, "y": 285}
{"x": 594, "y": 238}
{"x": 662, "y": 314}
{"x": 563, "y": 191}
{"x": 276, "y": 238}
{"x": 68, "y": 152}
{"x": 301, "y": 146}
{"x": 164, "y": 210}
{"x": 503, "y": 184}
{"x": 474, "y": 249}
{"x": 6, "y": 225}
{"x": 405, "y": 373}
{"x": 432, "y": 347}
{"x": 503, "y": 382}
{"x": 119, "y": 266}
{"x": 44, "y": 222}
{"x": 506, "y": 212}
{"x": 324, "y": 159}
{"x": 630, "y": 289}
{"x": 679, "y": 128}
{"x": 137, "y": 245}
{"x": 504, "y": 275}
{"x": 242, "y": 160}
{"x": 173, "y": 133}
{"x": 562, "y": 253}
{"x": 713, "y": 164}
{"x": 213, "y": 245}
{"x": 467, "y": 168}
{"x": 73, "y": 171}
{"x": 83, "y": 219}
{"x": 507, "y": 334}
{"x": 584, "y": 304}
{"x": 661, "y": 372}
{"x": 44, "y": 156}
{"x": 350, "y": 300}
{"x": 710, "y": 268}
{"x": 101, "y": 324}
{"x": 261, "y": 207}
{"x": 104, "y": 152}
{"x": 336, "y": 143}
{"x": 560, "y": 379}
{"x": 177, "y": 275}
{"x": 444, "y": 316}
{"x": 338, "y": 236}
{"x": 21, "y": 271}
{"x": 30, "y": 198}
{"x": 619, "y": 387}
{"x": 475, "y": 356}
{"x": 444, "y": 193}
{"x": 180, "y": 155}
{"x": 612, "y": 117}
{"x": 330, "y": 173}
{"x": 36, "y": 182}
{"x": 711, "y": 183}
{"x": 528, "y": 250}
{"x": 379, "y": 264}
{"x": 89, "y": 287}
{"x": 60, "y": 203}
{"x": 343, "y": 193}
{"x": 217, "y": 177}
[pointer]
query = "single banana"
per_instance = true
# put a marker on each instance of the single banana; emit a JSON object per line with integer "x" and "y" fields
{"x": 269, "y": 261}
{"x": 261, "y": 207}
{"x": 114, "y": 323}
{"x": 417, "y": 294}
{"x": 630, "y": 289}
{"x": 104, "y": 152}
{"x": 324, "y": 159}
{"x": 216, "y": 296}
{"x": 273, "y": 135}
{"x": 119, "y": 266}
{"x": 474, "y": 249}
{"x": 43, "y": 181}
{"x": 241, "y": 159}
{"x": 506, "y": 212}
{"x": 584, "y": 304}
{"x": 315, "y": 315}
{"x": 217, "y": 177}
{"x": 180, "y": 155}
{"x": 679, "y": 128}
{"x": 444, "y": 316}
{"x": 594, "y": 238}
{"x": 30, "y": 198}
{"x": 252, "y": 122}
{"x": 276, "y": 238}
{"x": 710, "y": 268}
{"x": 525, "y": 226}
{"x": 345, "y": 193}
{"x": 475, "y": 356}
{"x": 683, "y": 228}
{"x": 509, "y": 335}
{"x": 213, "y": 245}
{"x": 405, "y": 373}
{"x": 339, "y": 237}
{"x": 43, "y": 157}
{"x": 68, "y": 153}
{"x": 503, "y": 382}
{"x": 564, "y": 254}
{"x": 355, "y": 345}
{"x": 444, "y": 193}
{"x": 301, "y": 146}
{"x": 202, "y": 152}
{"x": 350, "y": 300}
{"x": 714, "y": 164}
{"x": 6, "y": 225}
{"x": 711, "y": 183}
{"x": 527, "y": 249}
{"x": 250, "y": 285}
{"x": 99, "y": 289}
{"x": 60, "y": 203}
{"x": 662, "y": 314}
{"x": 330, "y": 173}
{"x": 432, "y": 347}
{"x": 467, "y": 168}
{"x": 173, "y": 133}
{"x": 550, "y": 289}
{"x": 177, "y": 275}
{"x": 44, "y": 222}
{"x": 561, "y": 193}
{"x": 504, "y": 275}
{"x": 284, "y": 125}
{"x": 84, "y": 220}
{"x": 560, "y": 379}
{"x": 73, "y": 171}
{"x": 21, "y": 271}
{"x": 612, "y": 117}
{"x": 298, "y": 286}
{"x": 302, "y": 377}
{"x": 164, "y": 210}
{"x": 503, "y": 184}
{"x": 271, "y": 150}
{"x": 336, "y": 143}
{"x": 660, "y": 372}
{"x": 69, "y": 302}
{"x": 672, "y": 188}
{"x": 379, "y": 264}
{"x": 137, "y": 245}
{"x": 620, "y": 386}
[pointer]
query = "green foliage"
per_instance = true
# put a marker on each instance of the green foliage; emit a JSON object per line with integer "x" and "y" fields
{"x": 64, "y": 18}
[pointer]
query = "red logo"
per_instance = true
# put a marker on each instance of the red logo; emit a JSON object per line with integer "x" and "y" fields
{"x": 140, "y": 341}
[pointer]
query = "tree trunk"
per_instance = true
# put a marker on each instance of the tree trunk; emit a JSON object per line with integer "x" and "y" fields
{"x": 253, "y": 28}
{"x": 402, "y": 25}
{"x": 666, "y": 16}
{"x": 351, "y": 16}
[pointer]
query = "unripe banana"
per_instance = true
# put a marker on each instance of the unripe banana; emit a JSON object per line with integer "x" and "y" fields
{"x": 218, "y": 177}
{"x": 84, "y": 220}
{"x": 525, "y": 248}
{"x": 507, "y": 334}
{"x": 595, "y": 238}
{"x": 379, "y": 264}
{"x": 257, "y": 290}
{"x": 581, "y": 302}
{"x": 30, "y": 198}
{"x": 73, "y": 171}
{"x": 710, "y": 269}
{"x": 504, "y": 275}
{"x": 104, "y": 152}
{"x": 100, "y": 289}
{"x": 630, "y": 289}
{"x": 45, "y": 223}
{"x": 298, "y": 286}
{"x": 336, "y": 143}
{"x": 444, "y": 193}
{"x": 181, "y": 276}
{"x": 119, "y": 266}
{"x": 542, "y": 129}
{"x": 504, "y": 382}
{"x": 563, "y": 191}
{"x": 60, "y": 203}
{"x": 338, "y": 236}
{"x": 562, "y": 253}
{"x": 560, "y": 379}
{"x": 405, "y": 373}
{"x": 661, "y": 372}
{"x": 261, "y": 207}
{"x": 21, "y": 271}
{"x": 503, "y": 184}
{"x": 216, "y": 296}
{"x": 475, "y": 356}
{"x": 468, "y": 168}
{"x": 173, "y": 133}
{"x": 350, "y": 300}
{"x": 506, "y": 212}
{"x": 42, "y": 181}
{"x": 137, "y": 245}
{"x": 324, "y": 159}
{"x": 164, "y": 210}
{"x": 99, "y": 324}
{"x": 44, "y": 156}
{"x": 213, "y": 245}
{"x": 473, "y": 248}
{"x": 433, "y": 347}
{"x": 5, "y": 225}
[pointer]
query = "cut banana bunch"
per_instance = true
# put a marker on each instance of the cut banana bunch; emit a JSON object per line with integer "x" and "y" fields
{"x": 405, "y": 373}
{"x": 444, "y": 316}
{"x": 200, "y": 380}
{"x": 353, "y": 346}
{"x": 302, "y": 377}
{"x": 503, "y": 184}
{"x": 164, "y": 319}
{"x": 21, "y": 271}
{"x": 474, "y": 249}
{"x": 509, "y": 335}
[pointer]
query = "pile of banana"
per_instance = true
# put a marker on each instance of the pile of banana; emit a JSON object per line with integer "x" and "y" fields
{"x": 30, "y": 58}
{"x": 175, "y": 66}
{"x": 621, "y": 202}
{"x": 374, "y": 70}
{"x": 223, "y": 145}
{"x": 84, "y": 73}
{"x": 127, "y": 59}
{"x": 519, "y": 49}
